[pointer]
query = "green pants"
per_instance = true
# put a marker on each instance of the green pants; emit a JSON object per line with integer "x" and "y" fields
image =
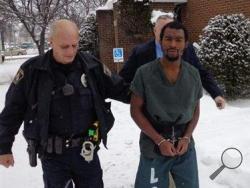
{"x": 154, "y": 173}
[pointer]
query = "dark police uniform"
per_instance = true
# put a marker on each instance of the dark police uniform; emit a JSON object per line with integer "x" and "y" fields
{"x": 57, "y": 109}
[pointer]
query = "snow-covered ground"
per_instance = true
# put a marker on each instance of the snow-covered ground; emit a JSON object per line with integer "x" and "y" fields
{"x": 216, "y": 131}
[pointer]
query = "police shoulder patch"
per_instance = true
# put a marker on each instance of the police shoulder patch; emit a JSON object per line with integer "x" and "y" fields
{"x": 19, "y": 76}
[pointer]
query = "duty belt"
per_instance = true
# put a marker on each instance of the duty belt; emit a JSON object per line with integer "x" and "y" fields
{"x": 88, "y": 142}
{"x": 58, "y": 144}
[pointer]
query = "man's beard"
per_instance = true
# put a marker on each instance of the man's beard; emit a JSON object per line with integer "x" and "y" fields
{"x": 172, "y": 58}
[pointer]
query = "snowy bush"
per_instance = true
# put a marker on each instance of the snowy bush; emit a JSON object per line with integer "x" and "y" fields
{"x": 89, "y": 36}
{"x": 224, "y": 50}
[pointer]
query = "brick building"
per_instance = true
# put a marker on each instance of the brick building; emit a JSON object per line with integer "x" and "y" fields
{"x": 195, "y": 15}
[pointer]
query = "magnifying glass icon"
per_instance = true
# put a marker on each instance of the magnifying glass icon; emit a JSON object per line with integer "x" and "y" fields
{"x": 231, "y": 158}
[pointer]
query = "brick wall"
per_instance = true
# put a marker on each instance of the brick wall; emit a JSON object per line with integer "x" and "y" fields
{"x": 198, "y": 13}
{"x": 163, "y": 6}
{"x": 106, "y": 36}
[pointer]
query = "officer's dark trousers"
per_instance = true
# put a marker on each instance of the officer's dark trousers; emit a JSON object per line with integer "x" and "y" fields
{"x": 60, "y": 170}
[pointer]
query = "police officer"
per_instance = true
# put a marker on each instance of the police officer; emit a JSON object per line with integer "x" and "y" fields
{"x": 60, "y": 98}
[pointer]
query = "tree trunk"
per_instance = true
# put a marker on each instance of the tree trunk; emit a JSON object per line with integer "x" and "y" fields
{"x": 40, "y": 45}
{"x": 2, "y": 40}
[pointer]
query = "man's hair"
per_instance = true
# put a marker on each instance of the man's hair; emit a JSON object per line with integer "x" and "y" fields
{"x": 174, "y": 25}
{"x": 164, "y": 17}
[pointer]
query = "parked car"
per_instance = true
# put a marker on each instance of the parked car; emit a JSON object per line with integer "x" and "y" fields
{"x": 14, "y": 51}
{"x": 27, "y": 45}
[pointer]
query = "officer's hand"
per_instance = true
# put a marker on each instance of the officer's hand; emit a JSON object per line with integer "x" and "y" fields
{"x": 220, "y": 102}
{"x": 182, "y": 146}
{"x": 167, "y": 149}
{"x": 7, "y": 160}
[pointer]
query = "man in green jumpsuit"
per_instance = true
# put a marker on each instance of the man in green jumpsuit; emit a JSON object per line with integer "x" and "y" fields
{"x": 165, "y": 106}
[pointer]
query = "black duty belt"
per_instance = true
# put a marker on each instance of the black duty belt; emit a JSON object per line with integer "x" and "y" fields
{"x": 58, "y": 144}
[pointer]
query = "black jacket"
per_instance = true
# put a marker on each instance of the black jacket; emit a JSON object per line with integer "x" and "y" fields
{"x": 28, "y": 99}
{"x": 145, "y": 53}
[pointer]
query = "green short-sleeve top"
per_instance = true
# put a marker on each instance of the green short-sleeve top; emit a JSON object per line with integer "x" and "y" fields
{"x": 164, "y": 101}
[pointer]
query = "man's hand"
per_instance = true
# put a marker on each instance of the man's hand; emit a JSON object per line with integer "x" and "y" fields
{"x": 167, "y": 149}
{"x": 7, "y": 160}
{"x": 220, "y": 102}
{"x": 182, "y": 146}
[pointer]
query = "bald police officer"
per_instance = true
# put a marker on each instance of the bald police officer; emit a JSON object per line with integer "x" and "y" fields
{"x": 60, "y": 98}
